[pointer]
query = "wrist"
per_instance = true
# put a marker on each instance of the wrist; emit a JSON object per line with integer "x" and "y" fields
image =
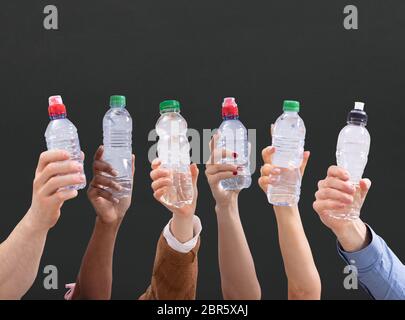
{"x": 34, "y": 223}
{"x": 227, "y": 207}
{"x": 353, "y": 235}
{"x": 286, "y": 212}
{"x": 182, "y": 227}
{"x": 108, "y": 225}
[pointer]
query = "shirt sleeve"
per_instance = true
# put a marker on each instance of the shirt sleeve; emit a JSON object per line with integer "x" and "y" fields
{"x": 379, "y": 269}
{"x": 177, "y": 245}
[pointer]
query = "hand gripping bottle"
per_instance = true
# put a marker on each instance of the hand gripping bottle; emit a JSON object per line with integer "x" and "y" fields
{"x": 351, "y": 154}
{"x": 288, "y": 139}
{"x": 174, "y": 153}
{"x": 62, "y": 134}
{"x": 117, "y": 129}
{"x": 233, "y": 138}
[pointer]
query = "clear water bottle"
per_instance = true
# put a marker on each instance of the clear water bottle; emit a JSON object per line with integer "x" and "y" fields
{"x": 233, "y": 137}
{"x": 61, "y": 134}
{"x": 174, "y": 153}
{"x": 117, "y": 129}
{"x": 352, "y": 154}
{"x": 288, "y": 139}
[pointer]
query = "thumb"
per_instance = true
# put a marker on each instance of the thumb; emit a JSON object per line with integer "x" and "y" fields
{"x": 365, "y": 185}
{"x": 305, "y": 162}
{"x": 194, "y": 173}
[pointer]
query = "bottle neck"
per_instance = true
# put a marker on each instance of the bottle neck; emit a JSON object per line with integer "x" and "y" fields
{"x": 230, "y": 117}
{"x": 58, "y": 116}
{"x": 175, "y": 110}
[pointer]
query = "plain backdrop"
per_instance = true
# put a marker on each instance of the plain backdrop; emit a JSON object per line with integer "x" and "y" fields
{"x": 198, "y": 52}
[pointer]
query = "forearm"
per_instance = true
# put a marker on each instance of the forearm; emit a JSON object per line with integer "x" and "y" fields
{"x": 20, "y": 256}
{"x": 378, "y": 268}
{"x": 238, "y": 275}
{"x": 302, "y": 274}
{"x": 95, "y": 277}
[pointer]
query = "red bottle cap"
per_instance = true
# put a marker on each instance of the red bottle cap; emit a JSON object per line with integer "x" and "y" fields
{"x": 56, "y": 107}
{"x": 230, "y": 108}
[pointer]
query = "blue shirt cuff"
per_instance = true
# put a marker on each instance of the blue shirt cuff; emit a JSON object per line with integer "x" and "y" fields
{"x": 367, "y": 257}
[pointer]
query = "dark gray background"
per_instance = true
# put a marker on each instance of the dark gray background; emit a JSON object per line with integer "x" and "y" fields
{"x": 199, "y": 52}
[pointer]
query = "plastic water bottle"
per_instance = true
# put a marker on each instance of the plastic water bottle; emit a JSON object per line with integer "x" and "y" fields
{"x": 117, "y": 129}
{"x": 233, "y": 138}
{"x": 174, "y": 153}
{"x": 351, "y": 154}
{"x": 61, "y": 134}
{"x": 288, "y": 139}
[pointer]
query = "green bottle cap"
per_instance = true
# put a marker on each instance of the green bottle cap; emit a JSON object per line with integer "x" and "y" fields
{"x": 169, "y": 104}
{"x": 290, "y": 105}
{"x": 117, "y": 102}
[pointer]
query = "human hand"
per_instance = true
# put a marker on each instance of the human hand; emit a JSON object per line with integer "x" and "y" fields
{"x": 54, "y": 175}
{"x": 108, "y": 208}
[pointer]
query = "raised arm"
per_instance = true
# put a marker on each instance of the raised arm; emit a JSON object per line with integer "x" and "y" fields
{"x": 21, "y": 252}
{"x": 379, "y": 269}
{"x": 303, "y": 278}
{"x": 175, "y": 269}
{"x": 95, "y": 276}
{"x": 238, "y": 275}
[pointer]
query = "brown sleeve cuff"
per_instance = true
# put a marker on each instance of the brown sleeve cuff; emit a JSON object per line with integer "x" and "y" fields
{"x": 174, "y": 273}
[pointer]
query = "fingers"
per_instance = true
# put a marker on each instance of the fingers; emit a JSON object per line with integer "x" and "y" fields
{"x": 268, "y": 169}
{"x": 50, "y": 156}
{"x": 212, "y": 169}
{"x": 214, "y": 141}
{"x": 159, "y": 173}
{"x": 322, "y": 207}
{"x": 305, "y": 161}
{"x": 133, "y": 165}
{"x": 365, "y": 185}
{"x": 335, "y": 183}
{"x": 337, "y": 172}
{"x": 102, "y": 166}
{"x": 156, "y": 164}
{"x": 216, "y": 178}
{"x": 333, "y": 194}
{"x": 99, "y": 153}
{"x": 58, "y": 182}
{"x": 219, "y": 154}
{"x": 161, "y": 183}
{"x": 57, "y": 168}
{"x": 267, "y": 154}
{"x": 103, "y": 182}
{"x": 95, "y": 192}
{"x": 264, "y": 182}
{"x": 194, "y": 173}
{"x": 158, "y": 194}
{"x": 64, "y": 195}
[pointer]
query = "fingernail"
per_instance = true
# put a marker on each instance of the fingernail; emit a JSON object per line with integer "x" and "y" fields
{"x": 114, "y": 172}
{"x": 235, "y": 173}
{"x": 276, "y": 170}
{"x": 116, "y": 200}
{"x": 82, "y": 178}
{"x": 235, "y": 155}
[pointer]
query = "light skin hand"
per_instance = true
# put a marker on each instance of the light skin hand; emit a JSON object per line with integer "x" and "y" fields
{"x": 108, "y": 208}
{"x": 217, "y": 172}
{"x": 182, "y": 224}
{"x": 303, "y": 278}
{"x": 54, "y": 172}
{"x": 21, "y": 252}
{"x": 238, "y": 275}
{"x": 335, "y": 192}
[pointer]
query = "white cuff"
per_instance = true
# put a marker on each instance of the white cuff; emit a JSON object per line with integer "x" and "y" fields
{"x": 176, "y": 244}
